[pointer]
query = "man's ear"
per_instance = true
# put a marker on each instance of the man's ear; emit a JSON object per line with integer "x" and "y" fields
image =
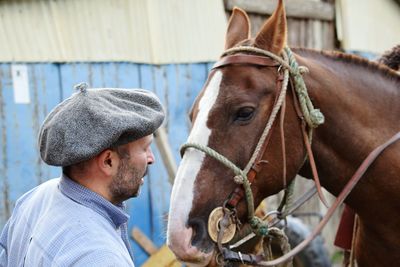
{"x": 107, "y": 162}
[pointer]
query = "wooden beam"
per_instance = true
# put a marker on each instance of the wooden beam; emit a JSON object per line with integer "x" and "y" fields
{"x": 143, "y": 241}
{"x": 162, "y": 257}
{"x": 307, "y": 9}
{"x": 161, "y": 138}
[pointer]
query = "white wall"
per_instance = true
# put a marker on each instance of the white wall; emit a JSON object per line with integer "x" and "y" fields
{"x": 149, "y": 31}
{"x": 368, "y": 25}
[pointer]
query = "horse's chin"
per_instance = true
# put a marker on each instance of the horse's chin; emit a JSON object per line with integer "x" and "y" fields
{"x": 206, "y": 259}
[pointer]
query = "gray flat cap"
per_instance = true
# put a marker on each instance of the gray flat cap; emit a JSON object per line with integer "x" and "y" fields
{"x": 91, "y": 120}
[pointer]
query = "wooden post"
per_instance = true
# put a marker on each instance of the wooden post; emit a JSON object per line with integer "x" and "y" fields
{"x": 161, "y": 139}
{"x": 162, "y": 257}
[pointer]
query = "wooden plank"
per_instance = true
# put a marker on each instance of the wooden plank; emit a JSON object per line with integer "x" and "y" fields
{"x": 294, "y": 8}
{"x": 162, "y": 258}
{"x": 161, "y": 139}
{"x": 143, "y": 241}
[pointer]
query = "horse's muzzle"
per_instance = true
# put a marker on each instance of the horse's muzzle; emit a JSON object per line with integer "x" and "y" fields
{"x": 180, "y": 242}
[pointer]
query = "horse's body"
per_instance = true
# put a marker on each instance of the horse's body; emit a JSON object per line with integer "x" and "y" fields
{"x": 361, "y": 104}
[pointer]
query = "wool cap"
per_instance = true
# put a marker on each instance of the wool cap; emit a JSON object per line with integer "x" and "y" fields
{"x": 92, "y": 120}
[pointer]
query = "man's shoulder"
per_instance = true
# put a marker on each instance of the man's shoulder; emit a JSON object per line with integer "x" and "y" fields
{"x": 48, "y": 185}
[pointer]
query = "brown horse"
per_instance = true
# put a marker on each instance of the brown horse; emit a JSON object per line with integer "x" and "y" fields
{"x": 361, "y": 104}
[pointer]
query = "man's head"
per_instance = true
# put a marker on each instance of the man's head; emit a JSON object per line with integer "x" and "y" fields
{"x": 103, "y": 134}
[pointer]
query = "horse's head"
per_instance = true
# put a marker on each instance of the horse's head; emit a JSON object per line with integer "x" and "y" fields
{"x": 229, "y": 116}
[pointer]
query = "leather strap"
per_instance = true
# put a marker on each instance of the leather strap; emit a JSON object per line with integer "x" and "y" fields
{"x": 308, "y": 147}
{"x": 234, "y": 256}
{"x": 246, "y": 59}
{"x": 339, "y": 200}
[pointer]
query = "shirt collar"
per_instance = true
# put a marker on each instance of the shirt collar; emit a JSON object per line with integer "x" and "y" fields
{"x": 115, "y": 214}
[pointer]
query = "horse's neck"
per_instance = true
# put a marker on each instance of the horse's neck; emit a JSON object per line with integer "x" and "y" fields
{"x": 361, "y": 112}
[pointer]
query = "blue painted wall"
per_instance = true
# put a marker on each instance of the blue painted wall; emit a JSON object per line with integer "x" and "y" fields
{"x": 20, "y": 166}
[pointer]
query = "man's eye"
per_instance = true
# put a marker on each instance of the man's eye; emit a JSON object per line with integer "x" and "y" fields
{"x": 244, "y": 114}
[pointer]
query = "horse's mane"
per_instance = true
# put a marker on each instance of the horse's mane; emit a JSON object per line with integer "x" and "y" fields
{"x": 355, "y": 60}
{"x": 391, "y": 58}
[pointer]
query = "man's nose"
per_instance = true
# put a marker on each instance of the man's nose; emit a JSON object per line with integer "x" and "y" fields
{"x": 150, "y": 157}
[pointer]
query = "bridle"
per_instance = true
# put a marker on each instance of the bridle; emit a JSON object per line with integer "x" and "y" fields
{"x": 309, "y": 116}
{"x": 246, "y": 176}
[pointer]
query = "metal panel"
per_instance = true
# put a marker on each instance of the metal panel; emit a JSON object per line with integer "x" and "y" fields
{"x": 20, "y": 167}
{"x": 151, "y": 31}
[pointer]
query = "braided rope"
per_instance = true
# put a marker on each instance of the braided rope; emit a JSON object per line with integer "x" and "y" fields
{"x": 313, "y": 117}
{"x": 240, "y": 176}
{"x": 211, "y": 152}
{"x": 271, "y": 120}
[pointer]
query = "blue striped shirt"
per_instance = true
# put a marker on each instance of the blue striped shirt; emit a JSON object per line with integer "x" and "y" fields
{"x": 61, "y": 223}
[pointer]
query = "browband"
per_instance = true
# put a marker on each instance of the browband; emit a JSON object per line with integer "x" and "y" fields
{"x": 246, "y": 59}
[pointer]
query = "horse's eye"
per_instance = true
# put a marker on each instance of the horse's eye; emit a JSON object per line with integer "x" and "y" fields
{"x": 244, "y": 114}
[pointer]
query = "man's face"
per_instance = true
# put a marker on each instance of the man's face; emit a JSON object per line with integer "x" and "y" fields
{"x": 134, "y": 159}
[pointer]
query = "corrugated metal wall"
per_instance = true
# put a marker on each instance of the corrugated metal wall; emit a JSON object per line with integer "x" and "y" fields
{"x": 145, "y": 31}
{"x": 20, "y": 166}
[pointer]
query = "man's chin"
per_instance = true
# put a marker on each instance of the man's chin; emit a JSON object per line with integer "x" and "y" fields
{"x": 137, "y": 193}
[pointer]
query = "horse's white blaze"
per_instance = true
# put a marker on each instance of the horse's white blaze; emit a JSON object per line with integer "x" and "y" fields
{"x": 182, "y": 192}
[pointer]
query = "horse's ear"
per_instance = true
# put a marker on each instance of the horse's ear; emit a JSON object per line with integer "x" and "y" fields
{"x": 272, "y": 36}
{"x": 238, "y": 28}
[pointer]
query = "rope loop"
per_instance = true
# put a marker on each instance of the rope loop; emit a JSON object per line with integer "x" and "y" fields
{"x": 238, "y": 179}
{"x": 316, "y": 118}
{"x": 278, "y": 237}
{"x": 312, "y": 116}
{"x": 303, "y": 70}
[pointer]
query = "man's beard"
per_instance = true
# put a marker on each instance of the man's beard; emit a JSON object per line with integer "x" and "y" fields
{"x": 126, "y": 184}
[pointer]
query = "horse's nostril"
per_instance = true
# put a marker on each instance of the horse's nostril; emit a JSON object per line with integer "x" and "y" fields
{"x": 199, "y": 230}
{"x": 199, "y": 238}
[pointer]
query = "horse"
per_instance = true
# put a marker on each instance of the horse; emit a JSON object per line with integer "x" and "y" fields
{"x": 359, "y": 101}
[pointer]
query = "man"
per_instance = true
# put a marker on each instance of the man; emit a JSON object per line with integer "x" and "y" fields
{"x": 101, "y": 138}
